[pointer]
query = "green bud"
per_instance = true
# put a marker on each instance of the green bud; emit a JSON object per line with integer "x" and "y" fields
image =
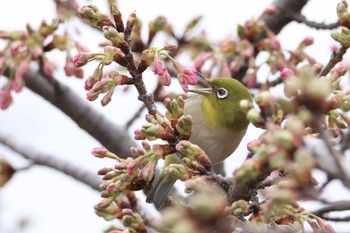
{"x": 295, "y": 125}
{"x": 254, "y": 116}
{"x": 284, "y": 138}
{"x": 239, "y": 207}
{"x": 192, "y": 23}
{"x": 343, "y": 37}
{"x": 111, "y": 34}
{"x": 176, "y": 171}
{"x": 343, "y": 14}
{"x": 292, "y": 86}
{"x": 184, "y": 126}
{"x": 318, "y": 89}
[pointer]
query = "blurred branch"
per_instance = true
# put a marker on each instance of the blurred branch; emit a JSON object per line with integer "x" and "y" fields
{"x": 329, "y": 160}
{"x": 335, "y": 58}
{"x": 41, "y": 158}
{"x": 335, "y": 206}
{"x": 110, "y": 135}
{"x": 286, "y": 10}
{"x": 302, "y": 19}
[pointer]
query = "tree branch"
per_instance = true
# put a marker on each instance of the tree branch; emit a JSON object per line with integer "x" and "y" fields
{"x": 286, "y": 10}
{"x": 44, "y": 159}
{"x": 110, "y": 135}
{"x": 302, "y": 19}
{"x": 335, "y": 206}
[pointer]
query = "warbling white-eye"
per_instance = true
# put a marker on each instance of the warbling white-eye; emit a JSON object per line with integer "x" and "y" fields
{"x": 218, "y": 127}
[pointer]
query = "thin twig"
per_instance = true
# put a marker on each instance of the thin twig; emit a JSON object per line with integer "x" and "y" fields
{"x": 136, "y": 116}
{"x": 335, "y": 206}
{"x": 302, "y": 19}
{"x": 44, "y": 159}
{"x": 335, "y": 58}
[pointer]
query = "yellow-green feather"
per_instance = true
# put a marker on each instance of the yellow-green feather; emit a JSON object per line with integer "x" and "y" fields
{"x": 219, "y": 113}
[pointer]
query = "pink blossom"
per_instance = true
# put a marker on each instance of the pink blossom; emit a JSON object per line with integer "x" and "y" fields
{"x": 21, "y": 71}
{"x": 275, "y": 44}
{"x": 48, "y": 67}
{"x": 165, "y": 79}
{"x": 80, "y": 59}
{"x": 5, "y": 99}
{"x": 270, "y": 10}
{"x": 285, "y": 73}
{"x": 158, "y": 66}
{"x": 186, "y": 77}
{"x": 308, "y": 40}
{"x": 17, "y": 47}
{"x": 235, "y": 65}
{"x": 201, "y": 60}
{"x": 138, "y": 135}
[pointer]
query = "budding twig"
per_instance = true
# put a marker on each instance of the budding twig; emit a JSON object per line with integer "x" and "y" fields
{"x": 335, "y": 58}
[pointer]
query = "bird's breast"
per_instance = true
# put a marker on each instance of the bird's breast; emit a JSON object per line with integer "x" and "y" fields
{"x": 217, "y": 142}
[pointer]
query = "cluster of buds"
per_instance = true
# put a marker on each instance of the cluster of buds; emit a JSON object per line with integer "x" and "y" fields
{"x": 156, "y": 59}
{"x": 172, "y": 127}
{"x": 343, "y": 36}
{"x": 266, "y": 112}
{"x": 120, "y": 182}
{"x": 203, "y": 214}
{"x": 22, "y": 47}
{"x": 343, "y": 14}
{"x": 250, "y": 29}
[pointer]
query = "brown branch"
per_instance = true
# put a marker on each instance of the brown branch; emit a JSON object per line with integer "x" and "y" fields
{"x": 335, "y": 58}
{"x": 302, "y": 19}
{"x": 110, "y": 135}
{"x": 331, "y": 207}
{"x": 286, "y": 9}
{"x": 44, "y": 159}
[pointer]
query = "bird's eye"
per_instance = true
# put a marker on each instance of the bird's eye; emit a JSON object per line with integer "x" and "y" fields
{"x": 221, "y": 93}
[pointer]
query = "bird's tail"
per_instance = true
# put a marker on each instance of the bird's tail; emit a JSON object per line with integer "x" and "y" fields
{"x": 162, "y": 185}
{"x": 159, "y": 192}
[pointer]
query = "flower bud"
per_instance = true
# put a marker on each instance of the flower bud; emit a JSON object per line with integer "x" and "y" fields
{"x": 318, "y": 89}
{"x": 184, "y": 126}
{"x": 270, "y": 10}
{"x": 343, "y": 14}
{"x": 343, "y": 37}
{"x": 292, "y": 86}
{"x": 285, "y": 73}
{"x": 170, "y": 47}
{"x": 5, "y": 99}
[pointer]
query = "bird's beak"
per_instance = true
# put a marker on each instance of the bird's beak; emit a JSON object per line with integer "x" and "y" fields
{"x": 203, "y": 91}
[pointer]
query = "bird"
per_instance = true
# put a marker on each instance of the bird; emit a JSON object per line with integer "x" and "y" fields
{"x": 219, "y": 124}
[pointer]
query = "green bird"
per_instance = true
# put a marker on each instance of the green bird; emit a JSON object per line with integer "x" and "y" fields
{"x": 218, "y": 127}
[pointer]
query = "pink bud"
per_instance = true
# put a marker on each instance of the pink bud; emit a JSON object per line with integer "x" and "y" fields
{"x": 308, "y": 40}
{"x": 80, "y": 59}
{"x": 285, "y": 73}
{"x": 158, "y": 66}
{"x": 190, "y": 76}
{"x": 5, "y": 99}
{"x": 138, "y": 135}
{"x": 48, "y": 67}
{"x": 165, "y": 78}
{"x": 275, "y": 44}
{"x": 270, "y": 10}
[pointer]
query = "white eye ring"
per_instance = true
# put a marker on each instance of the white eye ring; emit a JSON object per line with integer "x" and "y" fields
{"x": 221, "y": 93}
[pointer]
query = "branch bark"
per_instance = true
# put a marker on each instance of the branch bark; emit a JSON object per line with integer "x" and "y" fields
{"x": 44, "y": 159}
{"x": 110, "y": 135}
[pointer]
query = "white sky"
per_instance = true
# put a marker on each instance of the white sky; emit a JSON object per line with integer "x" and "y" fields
{"x": 48, "y": 198}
